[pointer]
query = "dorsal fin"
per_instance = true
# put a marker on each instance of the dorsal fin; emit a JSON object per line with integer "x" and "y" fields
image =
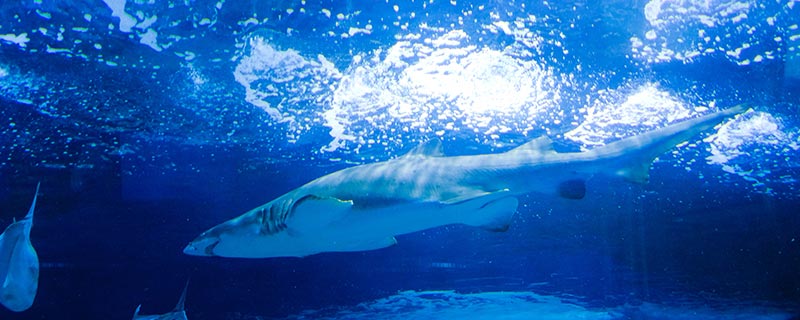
{"x": 430, "y": 148}
{"x": 540, "y": 145}
{"x": 33, "y": 204}
{"x": 182, "y": 300}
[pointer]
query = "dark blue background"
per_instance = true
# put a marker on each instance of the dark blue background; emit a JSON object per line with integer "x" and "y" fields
{"x": 110, "y": 226}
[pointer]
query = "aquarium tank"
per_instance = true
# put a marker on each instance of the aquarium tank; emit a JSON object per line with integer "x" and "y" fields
{"x": 417, "y": 159}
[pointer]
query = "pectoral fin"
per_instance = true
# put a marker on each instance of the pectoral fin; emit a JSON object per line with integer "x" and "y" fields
{"x": 467, "y": 195}
{"x": 312, "y": 213}
{"x": 492, "y": 212}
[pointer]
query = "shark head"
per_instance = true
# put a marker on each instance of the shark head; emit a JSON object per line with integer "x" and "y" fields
{"x": 242, "y": 237}
{"x": 203, "y": 245}
{"x": 284, "y": 227}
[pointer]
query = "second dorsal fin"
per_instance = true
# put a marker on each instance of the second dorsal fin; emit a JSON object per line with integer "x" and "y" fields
{"x": 182, "y": 300}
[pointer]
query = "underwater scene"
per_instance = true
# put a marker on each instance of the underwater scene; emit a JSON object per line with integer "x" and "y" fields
{"x": 418, "y": 159}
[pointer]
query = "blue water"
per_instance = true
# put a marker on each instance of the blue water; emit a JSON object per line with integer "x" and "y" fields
{"x": 148, "y": 122}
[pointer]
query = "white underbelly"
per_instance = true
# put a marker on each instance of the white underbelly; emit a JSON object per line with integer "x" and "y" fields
{"x": 394, "y": 220}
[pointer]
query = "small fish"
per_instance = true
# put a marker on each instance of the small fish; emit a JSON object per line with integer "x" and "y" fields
{"x": 176, "y": 314}
{"x": 19, "y": 264}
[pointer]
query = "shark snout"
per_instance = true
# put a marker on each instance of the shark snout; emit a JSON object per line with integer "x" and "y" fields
{"x": 242, "y": 237}
{"x": 202, "y": 246}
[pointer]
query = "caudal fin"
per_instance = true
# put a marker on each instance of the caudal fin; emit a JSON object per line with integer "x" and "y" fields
{"x": 632, "y": 156}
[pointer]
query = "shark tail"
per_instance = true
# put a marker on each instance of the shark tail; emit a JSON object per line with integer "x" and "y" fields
{"x": 631, "y": 157}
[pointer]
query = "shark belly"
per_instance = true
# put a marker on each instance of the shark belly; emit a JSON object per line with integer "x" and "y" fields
{"x": 369, "y": 228}
{"x": 491, "y": 211}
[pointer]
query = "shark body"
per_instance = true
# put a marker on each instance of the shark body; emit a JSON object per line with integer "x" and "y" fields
{"x": 364, "y": 207}
{"x": 19, "y": 264}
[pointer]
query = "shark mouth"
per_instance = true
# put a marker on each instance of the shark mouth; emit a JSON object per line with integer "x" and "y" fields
{"x": 209, "y": 250}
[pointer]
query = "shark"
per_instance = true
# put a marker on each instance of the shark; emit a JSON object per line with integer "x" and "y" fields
{"x": 365, "y": 207}
{"x": 19, "y": 264}
{"x": 178, "y": 313}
